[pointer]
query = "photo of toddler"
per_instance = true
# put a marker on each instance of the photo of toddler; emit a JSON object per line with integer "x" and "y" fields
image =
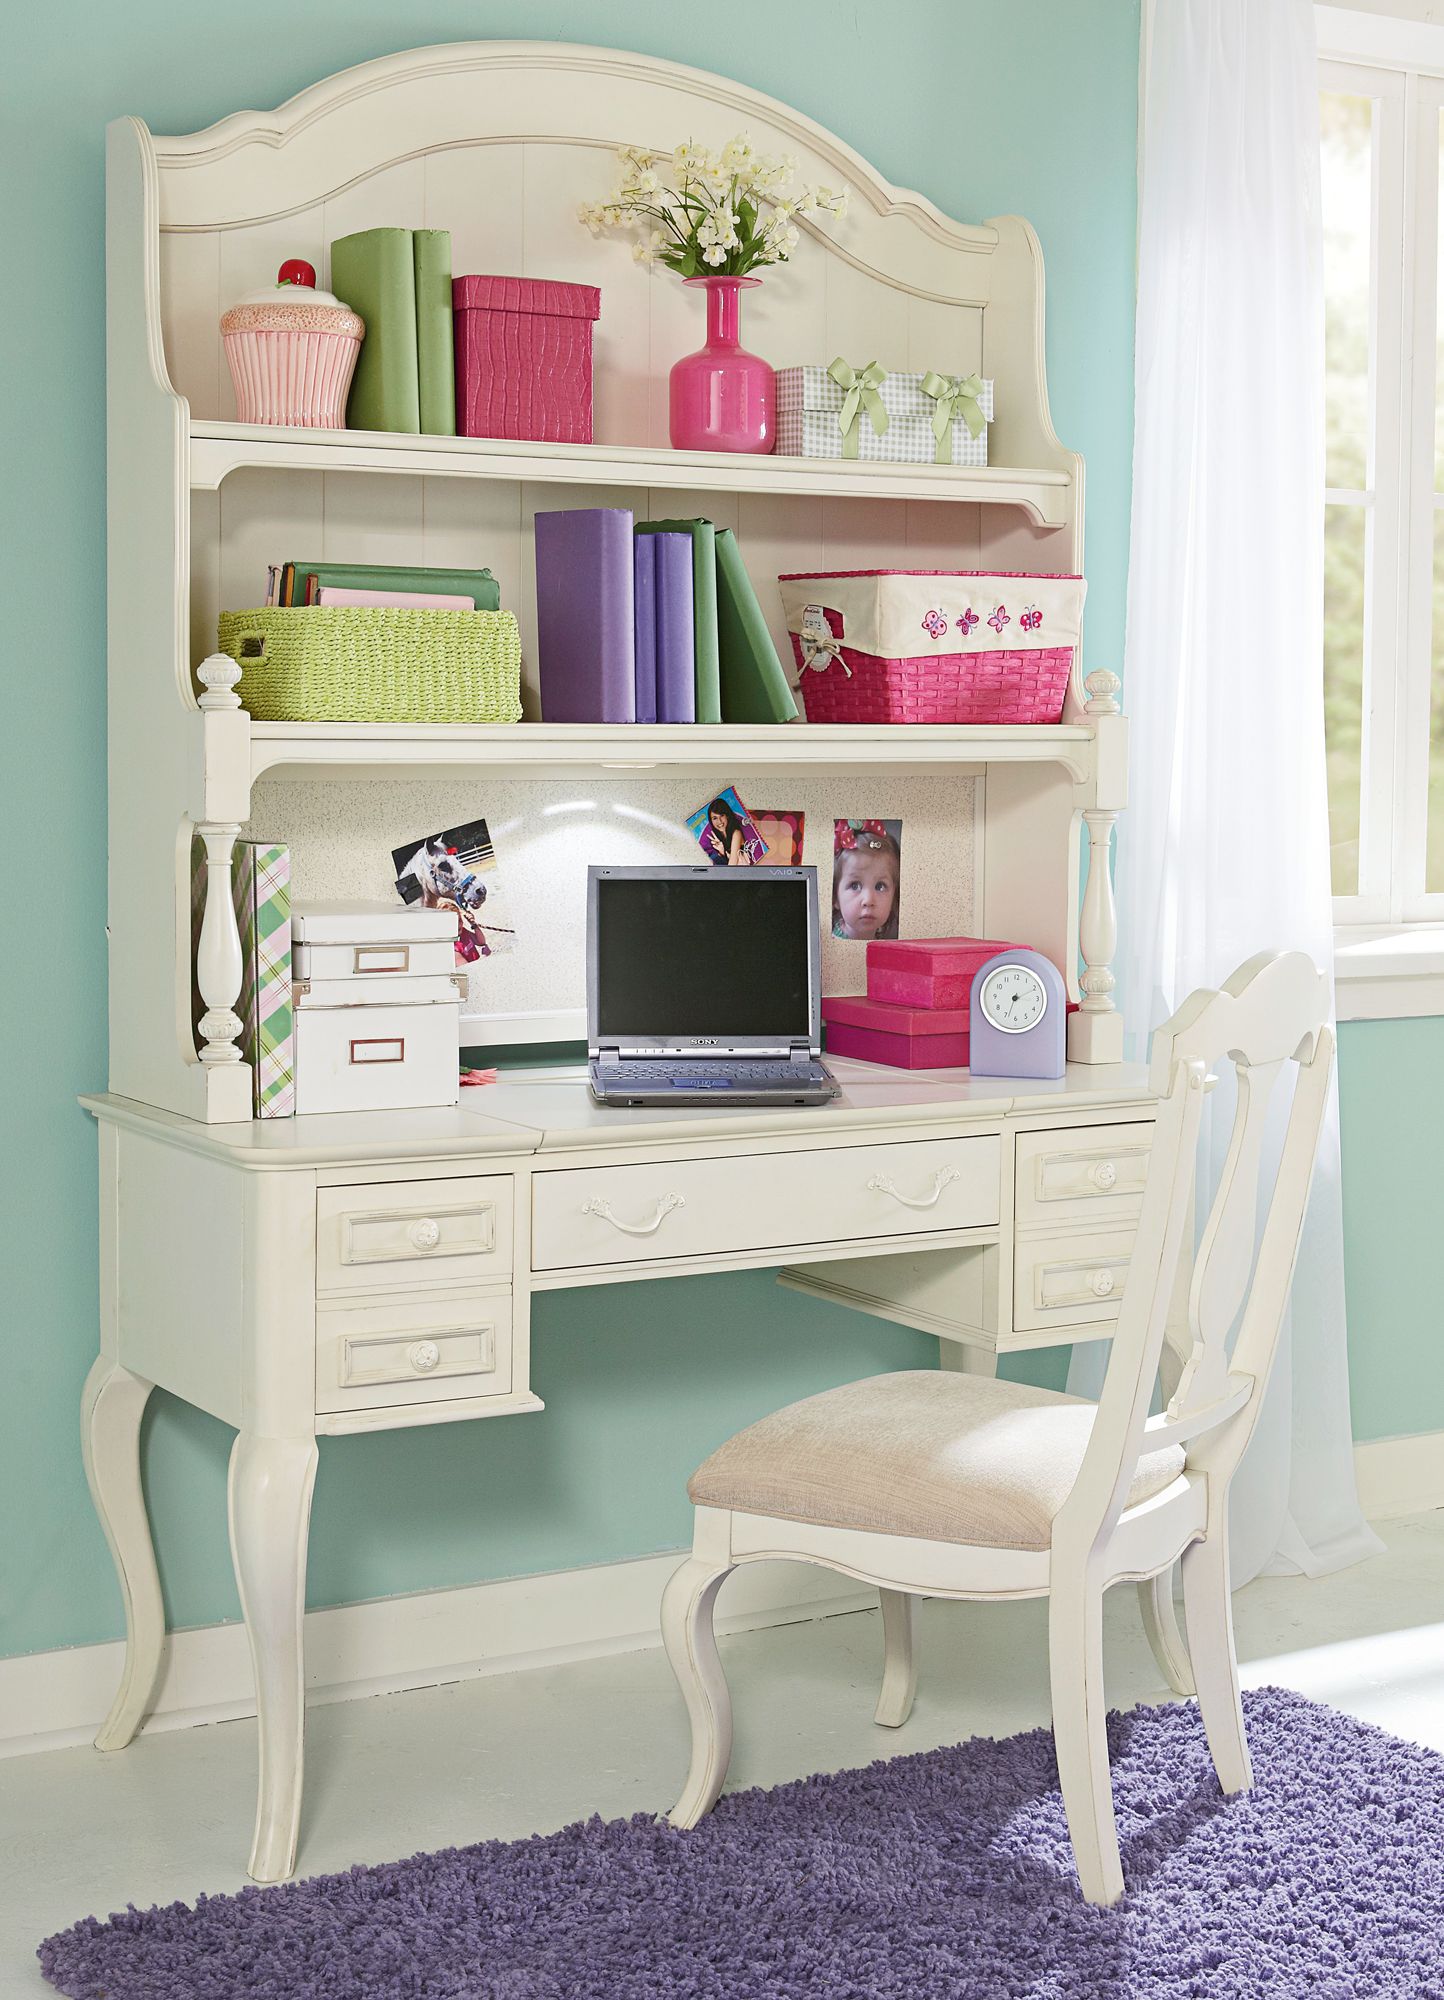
{"x": 866, "y": 877}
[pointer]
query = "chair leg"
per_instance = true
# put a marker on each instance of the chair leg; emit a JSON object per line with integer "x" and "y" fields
{"x": 900, "y": 1667}
{"x": 1209, "y": 1610}
{"x": 1080, "y": 1737}
{"x": 1160, "y": 1625}
{"x": 691, "y": 1646}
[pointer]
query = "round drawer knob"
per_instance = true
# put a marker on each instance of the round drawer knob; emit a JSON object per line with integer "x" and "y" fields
{"x": 424, "y": 1356}
{"x": 1103, "y": 1175}
{"x": 1102, "y": 1283}
{"x": 425, "y": 1234}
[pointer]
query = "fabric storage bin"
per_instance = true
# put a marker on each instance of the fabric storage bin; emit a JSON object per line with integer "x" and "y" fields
{"x": 901, "y": 1037}
{"x": 927, "y": 972}
{"x": 524, "y": 358}
{"x": 943, "y": 646}
{"x": 381, "y": 663}
{"x": 378, "y": 1009}
{"x": 810, "y": 407}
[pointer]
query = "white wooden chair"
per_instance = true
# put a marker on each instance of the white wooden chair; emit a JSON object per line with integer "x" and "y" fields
{"x": 949, "y": 1485}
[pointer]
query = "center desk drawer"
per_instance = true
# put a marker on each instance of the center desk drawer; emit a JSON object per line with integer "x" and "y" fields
{"x": 406, "y": 1233}
{"x": 708, "y": 1208}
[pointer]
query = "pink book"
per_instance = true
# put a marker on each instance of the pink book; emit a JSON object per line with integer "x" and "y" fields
{"x": 410, "y": 600}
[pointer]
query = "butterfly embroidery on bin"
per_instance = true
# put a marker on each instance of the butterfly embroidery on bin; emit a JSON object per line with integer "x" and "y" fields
{"x": 934, "y": 624}
{"x": 1031, "y": 619}
{"x": 999, "y": 619}
{"x": 968, "y": 620}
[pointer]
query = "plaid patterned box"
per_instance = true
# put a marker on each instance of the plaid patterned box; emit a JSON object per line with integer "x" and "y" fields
{"x": 261, "y": 890}
{"x": 906, "y": 441}
{"x": 809, "y": 403}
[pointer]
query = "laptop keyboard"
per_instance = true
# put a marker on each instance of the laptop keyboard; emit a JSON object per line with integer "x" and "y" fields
{"x": 729, "y": 1075}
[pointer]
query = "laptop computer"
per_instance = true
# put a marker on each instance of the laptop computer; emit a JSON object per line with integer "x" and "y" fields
{"x": 703, "y": 986}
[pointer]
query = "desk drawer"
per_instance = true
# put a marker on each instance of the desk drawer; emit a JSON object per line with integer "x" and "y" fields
{"x": 1075, "y": 1279}
{"x": 708, "y": 1208}
{"x": 427, "y": 1350}
{"x": 1091, "y": 1172}
{"x": 405, "y": 1233}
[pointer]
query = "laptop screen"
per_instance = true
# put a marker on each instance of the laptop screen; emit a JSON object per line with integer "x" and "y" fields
{"x": 684, "y": 955}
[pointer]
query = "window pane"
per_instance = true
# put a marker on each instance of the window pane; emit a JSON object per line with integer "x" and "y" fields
{"x": 1348, "y": 206}
{"x": 1344, "y": 686}
{"x": 1434, "y": 853}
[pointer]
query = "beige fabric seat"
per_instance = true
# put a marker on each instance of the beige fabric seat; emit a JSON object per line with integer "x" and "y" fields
{"x": 953, "y": 1458}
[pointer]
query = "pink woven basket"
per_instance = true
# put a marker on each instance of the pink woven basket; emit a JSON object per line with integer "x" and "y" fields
{"x": 524, "y": 358}
{"x": 1012, "y": 684}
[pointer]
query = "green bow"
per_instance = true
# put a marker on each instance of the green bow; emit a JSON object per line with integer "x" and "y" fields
{"x": 859, "y": 392}
{"x": 954, "y": 396}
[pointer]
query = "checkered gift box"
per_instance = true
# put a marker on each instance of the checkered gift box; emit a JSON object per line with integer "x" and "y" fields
{"x": 810, "y": 404}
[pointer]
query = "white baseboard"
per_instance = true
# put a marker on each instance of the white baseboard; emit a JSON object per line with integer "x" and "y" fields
{"x": 52, "y": 1700}
{"x": 1403, "y": 1475}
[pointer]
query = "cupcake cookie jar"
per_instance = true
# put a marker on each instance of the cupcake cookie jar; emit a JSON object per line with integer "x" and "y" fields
{"x": 292, "y": 351}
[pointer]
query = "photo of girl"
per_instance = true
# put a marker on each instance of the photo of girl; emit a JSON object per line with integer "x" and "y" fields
{"x": 727, "y": 833}
{"x": 866, "y": 877}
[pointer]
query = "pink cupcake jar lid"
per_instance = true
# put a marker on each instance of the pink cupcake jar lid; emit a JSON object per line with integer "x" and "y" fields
{"x": 292, "y": 305}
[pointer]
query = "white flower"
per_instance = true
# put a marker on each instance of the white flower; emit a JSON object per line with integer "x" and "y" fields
{"x": 714, "y": 254}
{"x": 739, "y": 152}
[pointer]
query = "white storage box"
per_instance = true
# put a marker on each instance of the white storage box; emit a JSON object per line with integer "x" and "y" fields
{"x": 809, "y": 421}
{"x": 378, "y": 1009}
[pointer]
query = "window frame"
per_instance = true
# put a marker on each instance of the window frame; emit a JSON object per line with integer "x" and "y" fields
{"x": 1390, "y": 935}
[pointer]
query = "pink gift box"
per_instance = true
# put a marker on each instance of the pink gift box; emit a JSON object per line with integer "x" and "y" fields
{"x": 900, "y": 1037}
{"x": 927, "y": 972}
{"x": 524, "y": 358}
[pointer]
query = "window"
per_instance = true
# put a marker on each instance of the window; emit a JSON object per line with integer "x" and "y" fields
{"x": 1382, "y": 164}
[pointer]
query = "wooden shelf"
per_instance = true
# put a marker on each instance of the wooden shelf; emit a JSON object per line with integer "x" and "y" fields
{"x": 220, "y": 448}
{"x": 537, "y": 749}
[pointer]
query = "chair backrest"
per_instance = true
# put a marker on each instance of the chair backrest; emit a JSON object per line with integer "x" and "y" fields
{"x": 1271, "y": 1016}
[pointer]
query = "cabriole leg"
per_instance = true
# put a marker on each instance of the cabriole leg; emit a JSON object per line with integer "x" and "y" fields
{"x": 687, "y": 1633}
{"x": 900, "y": 1666}
{"x": 270, "y": 1516}
{"x": 111, "y": 1409}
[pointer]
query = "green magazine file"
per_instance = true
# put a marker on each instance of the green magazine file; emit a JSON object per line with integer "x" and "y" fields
{"x": 375, "y": 274}
{"x": 435, "y": 365}
{"x": 708, "y": 671}
{"x": 754, "y": 686}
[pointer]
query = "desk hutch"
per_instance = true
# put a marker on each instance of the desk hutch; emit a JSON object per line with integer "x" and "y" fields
{"x": 328, "y": 1275}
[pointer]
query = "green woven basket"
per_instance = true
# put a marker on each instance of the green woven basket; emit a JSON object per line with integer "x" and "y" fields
{"x": 375, "y": 663}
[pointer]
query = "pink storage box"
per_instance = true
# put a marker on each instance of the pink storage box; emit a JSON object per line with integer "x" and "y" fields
{"x": 900, "y": 1037}
{"x": 895, "y": 645}
{"x": 927, "y": 972}
{"x": 524, "y": 358}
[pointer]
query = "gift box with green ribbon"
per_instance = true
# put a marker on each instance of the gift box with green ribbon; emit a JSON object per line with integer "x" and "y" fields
{"x": 859, "y": 410}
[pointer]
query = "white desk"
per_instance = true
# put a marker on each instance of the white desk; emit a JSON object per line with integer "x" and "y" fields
{"x": 320, "y": 1276}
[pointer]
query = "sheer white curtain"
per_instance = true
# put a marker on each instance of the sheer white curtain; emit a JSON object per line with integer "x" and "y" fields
{"x": 1224, "y": 850}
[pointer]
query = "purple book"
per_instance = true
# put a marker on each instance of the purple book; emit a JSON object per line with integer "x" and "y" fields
{"x": 644, "y": 555}
{"x": 676, "y": 656}
{"x": 585, "y": 615}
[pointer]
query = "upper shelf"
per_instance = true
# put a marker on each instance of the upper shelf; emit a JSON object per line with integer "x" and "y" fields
{"x": 535, "y": 749}
{"x": 222, "y": 447}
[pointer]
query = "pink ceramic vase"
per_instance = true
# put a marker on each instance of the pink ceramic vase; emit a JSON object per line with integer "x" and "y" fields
{"x": 723, "y": 398}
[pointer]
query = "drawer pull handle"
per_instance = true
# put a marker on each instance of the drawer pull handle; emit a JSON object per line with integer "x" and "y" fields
{"x": 1102, "y": 1283}
{"x": 1103, "y": 1175}
{"x": 424, "y": 1356}
{"x": 425, "y": 1234}
{"x": 596, "y": 1206}
{"x": 880, "y": 1184}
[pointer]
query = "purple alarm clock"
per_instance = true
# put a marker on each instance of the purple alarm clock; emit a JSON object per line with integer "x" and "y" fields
{"x": 1019, "y": 1017}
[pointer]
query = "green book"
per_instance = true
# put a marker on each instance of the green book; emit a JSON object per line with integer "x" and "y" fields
{"x": 708, "y": 672}
{"x": 435, "y": 365}
{"x": 754, "y": 687}
{"x": 375, "y": 274}
{"x": 478, "y": 584}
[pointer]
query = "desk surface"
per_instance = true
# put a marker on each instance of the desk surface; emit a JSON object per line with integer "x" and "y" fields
{"x": 530, "y": 1112}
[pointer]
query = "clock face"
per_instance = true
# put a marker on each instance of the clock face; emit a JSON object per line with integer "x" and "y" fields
{"x": 1014, "y": 999}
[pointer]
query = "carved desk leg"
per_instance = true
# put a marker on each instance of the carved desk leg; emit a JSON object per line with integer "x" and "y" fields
{"x": 271, "y": 1480}
{"x": 111, "y": 1409}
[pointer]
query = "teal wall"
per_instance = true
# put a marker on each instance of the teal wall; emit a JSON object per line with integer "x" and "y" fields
{"x": 639, "y": 1380}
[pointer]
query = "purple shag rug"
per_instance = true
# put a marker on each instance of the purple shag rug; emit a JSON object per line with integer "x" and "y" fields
{"x": 941, "y": 1876}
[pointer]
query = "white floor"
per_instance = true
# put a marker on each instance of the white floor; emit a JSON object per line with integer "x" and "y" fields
{"x": 82, "y": 1833}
